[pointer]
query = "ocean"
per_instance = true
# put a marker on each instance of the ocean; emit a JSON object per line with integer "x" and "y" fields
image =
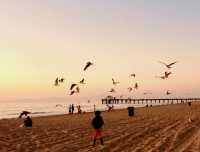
{"x": 12, "y": 109}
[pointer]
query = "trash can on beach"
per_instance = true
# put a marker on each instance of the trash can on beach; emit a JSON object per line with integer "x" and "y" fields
{"x": 131, "y": 111}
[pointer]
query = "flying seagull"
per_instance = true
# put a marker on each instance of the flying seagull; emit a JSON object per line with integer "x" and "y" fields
{"x": 130, "y": 89}
{"x": 133, "y": 75}
{"x": 114, "y": 82}
{"x": 87, "y": 65}
{"x": 168, "y": 92}
{"x": 56, "y": 82}
{"x": 24, "y": 113}
{"x": 168, "y": 65}
{"x": 72, "y": 92}
{"x": 112, "y": 90}
{"x": 162, "y": 77}
{"x": 61, "y": 80}
{"x": 167, "y": 74}
{"x": 72, "y": 86}
{"x": 82, "y": 81}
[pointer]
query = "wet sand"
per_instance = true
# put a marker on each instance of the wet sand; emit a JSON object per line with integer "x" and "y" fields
{"x": 161, "y": 128}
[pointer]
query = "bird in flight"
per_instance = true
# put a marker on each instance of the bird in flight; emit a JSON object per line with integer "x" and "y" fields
{"x": 56, "y": 83}
{"x": 82, "y": 81}
{"x": 88, "y": 64}
{"x": 133, "y": 75}
{"x": 161, "y": 77}
{"x": 168, "y": 92}
{"x": 112, "y": 90}
{"x": 168, "y": 65}
{"x": 72, "y": 86}
{"x": 136, "y": 85}
{"x": 167, "y": 74}
{"x": 61, "y": 80}
{"x": 72, "y": 92}
{"x": 130, "y": 89}
{"x": 24, "y": 113}
{"x": 114, "y": 82}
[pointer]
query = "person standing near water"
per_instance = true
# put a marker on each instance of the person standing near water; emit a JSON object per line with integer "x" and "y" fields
{"x": 72, "y": 108}
{"x": 97, "y": 124}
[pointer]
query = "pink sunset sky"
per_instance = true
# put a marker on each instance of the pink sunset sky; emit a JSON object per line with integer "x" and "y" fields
{"x": 40, "y": 41}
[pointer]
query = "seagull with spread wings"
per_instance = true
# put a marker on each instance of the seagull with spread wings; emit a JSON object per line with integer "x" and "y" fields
{"x": 167, "y": 74}
{"x": 88, "y": 64}
{"x": 133, "y": 75}
{"x": 72, "y": 86}
{"x": 168, "y": 92}
{"x": 82, "y": 81}
{"x": 168, "y": 65}
{"x": 114, "y": 82}
{"x": 130, "y": 89}
{"x": 112, "y": 90}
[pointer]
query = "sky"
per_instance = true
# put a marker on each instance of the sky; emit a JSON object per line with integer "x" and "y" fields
{"x": 42, "y": 40}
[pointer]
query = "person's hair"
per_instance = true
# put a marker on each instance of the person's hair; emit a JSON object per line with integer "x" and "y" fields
{"x": 97, "y": 113}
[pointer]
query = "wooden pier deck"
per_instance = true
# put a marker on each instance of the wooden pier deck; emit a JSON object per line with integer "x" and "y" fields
{"x": 148, "y": 101}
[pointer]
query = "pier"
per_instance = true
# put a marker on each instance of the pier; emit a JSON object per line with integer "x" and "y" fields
{"x": 149, "y": 101}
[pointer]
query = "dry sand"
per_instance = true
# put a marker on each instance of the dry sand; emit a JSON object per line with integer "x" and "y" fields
{"x": 163, "y": 128}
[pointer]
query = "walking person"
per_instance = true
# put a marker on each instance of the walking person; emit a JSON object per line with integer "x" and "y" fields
{"x": 97, "y": 124}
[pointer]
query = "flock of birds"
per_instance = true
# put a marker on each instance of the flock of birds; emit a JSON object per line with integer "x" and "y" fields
{"x": 75, "y": 87}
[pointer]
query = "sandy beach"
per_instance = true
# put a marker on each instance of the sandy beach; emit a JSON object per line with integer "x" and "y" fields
{"x": 161, "y": 128}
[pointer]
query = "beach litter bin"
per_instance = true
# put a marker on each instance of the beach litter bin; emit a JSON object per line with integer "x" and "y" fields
{"x": 131, "y": 111}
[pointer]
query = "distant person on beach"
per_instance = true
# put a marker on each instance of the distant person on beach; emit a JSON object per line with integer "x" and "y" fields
{"x": 72, "y": 108}
{"x": 97, "y": 124}
{"x": 79, "y": 109}
{"x": 189, "y": 111}
{"x": 28, "y": 122}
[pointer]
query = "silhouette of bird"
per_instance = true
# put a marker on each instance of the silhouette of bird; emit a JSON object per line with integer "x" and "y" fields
{"x": 112, "y": 90}
{"x": 72, "y": 86}
{"x": 168, "y": 92}
{"x": 114, "y": 82}
{"x": 56, "y": 83}
{"x": 130, "y": 89}
{"x": 24, "y": 113}
{"x": 72, "y": 92}
{"x": 168, "y": 65}
{"x": 61, "y": 80}
{"x": 136, "y": 85}
{"x": 82, "y": 81}
{"x": 133, "y": 75}
{"x": 167, "y": 74}
{"x": 88, "y": 64}
{"x": 161, "y": 77}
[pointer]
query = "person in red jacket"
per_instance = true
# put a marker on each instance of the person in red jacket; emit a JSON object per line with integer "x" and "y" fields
{"x": 97, "y": 124}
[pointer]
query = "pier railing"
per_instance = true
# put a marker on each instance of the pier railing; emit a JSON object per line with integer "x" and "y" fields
{"x": 148, "y": 101}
